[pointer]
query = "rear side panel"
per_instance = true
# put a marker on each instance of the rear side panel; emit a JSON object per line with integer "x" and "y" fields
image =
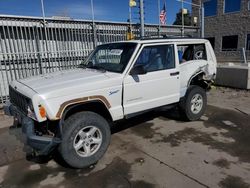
{"x": 191, "y": 68}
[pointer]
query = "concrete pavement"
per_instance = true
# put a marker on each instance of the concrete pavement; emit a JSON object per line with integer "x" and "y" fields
{"x": 156, "y": 149}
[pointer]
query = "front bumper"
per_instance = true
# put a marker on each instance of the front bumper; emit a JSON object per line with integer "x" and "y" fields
{"x": 43, "y": 145}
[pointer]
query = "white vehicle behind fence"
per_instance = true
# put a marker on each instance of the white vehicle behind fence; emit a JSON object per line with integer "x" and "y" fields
{"x": 71, "y": 111}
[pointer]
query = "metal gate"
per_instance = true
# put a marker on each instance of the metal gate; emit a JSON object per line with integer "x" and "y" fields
{"x": 29, "y": 46}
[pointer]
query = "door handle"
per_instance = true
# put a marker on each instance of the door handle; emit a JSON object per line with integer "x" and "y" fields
{"x": 174, "y": 73}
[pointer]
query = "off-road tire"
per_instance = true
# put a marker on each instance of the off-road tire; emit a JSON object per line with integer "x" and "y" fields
{"x": 185, "y": 103}
{"x": 71, "y": 128}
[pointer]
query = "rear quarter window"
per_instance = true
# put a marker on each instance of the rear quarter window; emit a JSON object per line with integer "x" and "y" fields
{"x": 191, "y": 52}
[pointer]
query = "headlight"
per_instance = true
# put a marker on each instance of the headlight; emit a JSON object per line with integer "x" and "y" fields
{"x": 30, "y": 106}
{"x": 30, "y": 110}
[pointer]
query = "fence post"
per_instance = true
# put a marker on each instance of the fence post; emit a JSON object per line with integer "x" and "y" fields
{"x": 244, "y": 55}
{"x": 39, "y": 59}
{"x": 94, "y": 34}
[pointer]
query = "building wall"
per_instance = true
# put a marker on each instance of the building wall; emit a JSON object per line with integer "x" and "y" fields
{"x": 225, "y": 24}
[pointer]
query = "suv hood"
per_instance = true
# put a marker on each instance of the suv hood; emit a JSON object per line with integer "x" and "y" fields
{"x": 67, "y": 81}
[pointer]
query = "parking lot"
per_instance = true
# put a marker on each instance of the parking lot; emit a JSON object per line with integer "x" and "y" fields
{"x": 156, "y": 149}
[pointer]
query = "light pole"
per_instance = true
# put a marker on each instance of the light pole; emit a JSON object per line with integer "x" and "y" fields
{"x": 201, "y": 12}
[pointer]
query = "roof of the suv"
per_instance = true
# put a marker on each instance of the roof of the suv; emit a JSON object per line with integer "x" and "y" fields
{"x": 160, "y": 40}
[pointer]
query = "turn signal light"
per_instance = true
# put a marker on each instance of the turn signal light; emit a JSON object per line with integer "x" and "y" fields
{"x": 42, "y": 111}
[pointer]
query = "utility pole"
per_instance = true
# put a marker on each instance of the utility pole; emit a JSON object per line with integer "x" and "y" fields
{"x": 142, "y": 17}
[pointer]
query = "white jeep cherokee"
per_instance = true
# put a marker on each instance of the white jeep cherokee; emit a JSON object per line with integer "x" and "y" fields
{"x": 72, "y": 110}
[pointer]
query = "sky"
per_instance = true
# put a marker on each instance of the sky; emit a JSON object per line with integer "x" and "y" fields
{"x": 106, "y": 10}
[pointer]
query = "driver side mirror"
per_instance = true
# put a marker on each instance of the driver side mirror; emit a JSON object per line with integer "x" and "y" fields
{"x": 137, "y": 70}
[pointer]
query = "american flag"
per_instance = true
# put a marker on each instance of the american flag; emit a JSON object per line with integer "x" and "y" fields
{"x": 163, "y": 15}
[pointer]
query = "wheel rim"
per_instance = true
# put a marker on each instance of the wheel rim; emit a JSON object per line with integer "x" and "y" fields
{"x": 196, "y": 103}
{"x": 87, "y": 141}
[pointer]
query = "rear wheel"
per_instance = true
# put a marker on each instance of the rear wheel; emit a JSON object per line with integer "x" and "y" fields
{"x": 193, "y": 106}
{"x": 86, "y": 136}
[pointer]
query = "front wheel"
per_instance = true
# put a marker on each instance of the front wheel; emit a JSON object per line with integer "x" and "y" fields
{"x": 193, "y": 106}
{"x": 86, "y": 136}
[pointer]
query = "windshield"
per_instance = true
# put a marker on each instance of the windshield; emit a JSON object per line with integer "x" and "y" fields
{"x": 111, "y": 57}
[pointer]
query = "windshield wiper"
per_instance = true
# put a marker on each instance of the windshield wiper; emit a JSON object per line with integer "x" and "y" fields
{"x": 96, "y": 67}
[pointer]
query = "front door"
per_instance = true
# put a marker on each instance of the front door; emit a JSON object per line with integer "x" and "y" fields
{"x": 159, "y": 86}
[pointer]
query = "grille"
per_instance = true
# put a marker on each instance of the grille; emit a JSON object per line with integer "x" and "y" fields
{"x": 19, "y": 100}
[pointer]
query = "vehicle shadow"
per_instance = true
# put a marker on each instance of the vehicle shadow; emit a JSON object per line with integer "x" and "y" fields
{"x": 170, "y": 114}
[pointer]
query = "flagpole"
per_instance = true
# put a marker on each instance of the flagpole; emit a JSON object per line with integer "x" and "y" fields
{"x": 159, "y": 12}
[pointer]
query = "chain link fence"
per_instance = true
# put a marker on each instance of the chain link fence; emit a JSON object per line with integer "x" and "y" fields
{"x": 29, "y": 46}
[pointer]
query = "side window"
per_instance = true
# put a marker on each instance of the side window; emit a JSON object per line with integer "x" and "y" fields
{"x": 154, "y": 58}
{"x": 191, "y": 52}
